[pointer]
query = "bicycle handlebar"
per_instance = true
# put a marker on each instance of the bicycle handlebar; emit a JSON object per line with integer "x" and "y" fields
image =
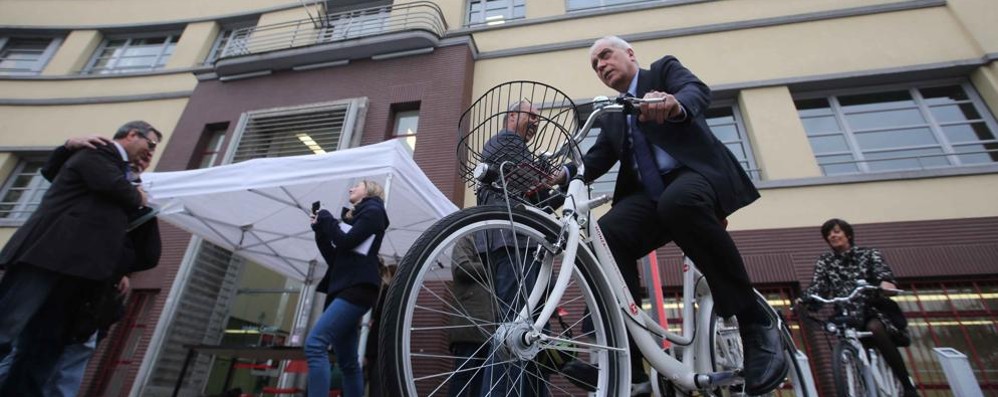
{"x": 855, "y": 292}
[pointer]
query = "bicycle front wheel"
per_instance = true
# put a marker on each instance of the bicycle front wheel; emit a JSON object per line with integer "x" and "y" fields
{"x": 849, "y": 372}
{"x": 455, "y": 320}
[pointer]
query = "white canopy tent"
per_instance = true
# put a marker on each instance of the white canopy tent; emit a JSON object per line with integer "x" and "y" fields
{"x": 260, "y": 208}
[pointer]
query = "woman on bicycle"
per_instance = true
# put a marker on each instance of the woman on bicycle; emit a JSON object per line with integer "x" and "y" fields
{"x": 835, "y": 274}
{"x": 351, "y": 286}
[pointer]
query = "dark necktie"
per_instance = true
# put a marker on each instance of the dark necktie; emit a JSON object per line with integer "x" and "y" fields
{"x": 645, "y": 158}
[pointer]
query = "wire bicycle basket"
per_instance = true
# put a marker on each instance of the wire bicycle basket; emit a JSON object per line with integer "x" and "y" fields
{"x": 521, "y": 162}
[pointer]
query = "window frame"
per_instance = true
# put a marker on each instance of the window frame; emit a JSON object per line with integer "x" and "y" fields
{"x": 602, "y": 4}
{"x": 171, "y": 36}
{"x": 226, "y": 32}
{"x": 43, "y": 59}
{"x": 753, "y": 170}
{"x": 37, "y": 182}
{"x": 409, "y": 139}
{"x": 913, "y": 89}
{"x": 508, "y": 15}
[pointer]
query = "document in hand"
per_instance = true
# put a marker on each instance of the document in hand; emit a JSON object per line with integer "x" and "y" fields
{"x": 363, "y": 248}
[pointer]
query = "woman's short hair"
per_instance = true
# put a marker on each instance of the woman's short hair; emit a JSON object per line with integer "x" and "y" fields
{"x": 826, "y": 229}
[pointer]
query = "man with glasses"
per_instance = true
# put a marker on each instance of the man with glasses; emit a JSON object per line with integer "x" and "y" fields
{"x": 69, "y": 246}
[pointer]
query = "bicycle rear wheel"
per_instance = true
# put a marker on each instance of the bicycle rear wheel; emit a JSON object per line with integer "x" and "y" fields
{"x": 423, "y": 313}
{"x": 849, "y": 372}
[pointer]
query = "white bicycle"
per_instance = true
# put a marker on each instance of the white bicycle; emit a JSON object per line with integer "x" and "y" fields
{"x": 577, "y": 282}
{"x": 858, "y": 372}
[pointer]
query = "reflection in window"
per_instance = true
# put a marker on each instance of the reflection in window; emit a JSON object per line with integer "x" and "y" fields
{"x": 494, "y": 12}
{"x": 406, "y": 125}
{"x": 24, "y": 189}
{"x": 963, "y": 316}
{"x": 132, "y": 54}
{"x": 906, "y": 129}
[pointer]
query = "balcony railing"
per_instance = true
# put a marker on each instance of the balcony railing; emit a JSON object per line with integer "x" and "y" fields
{"x": 329, "y": 28}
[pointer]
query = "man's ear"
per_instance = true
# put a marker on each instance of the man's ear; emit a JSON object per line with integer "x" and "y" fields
{"x": 631, "y": 56}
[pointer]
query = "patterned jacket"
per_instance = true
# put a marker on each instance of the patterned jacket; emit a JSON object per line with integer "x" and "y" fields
{"x": 836, "y": 274}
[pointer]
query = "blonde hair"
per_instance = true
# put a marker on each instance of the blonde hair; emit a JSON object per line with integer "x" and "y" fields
{"x": 374, "y": 189}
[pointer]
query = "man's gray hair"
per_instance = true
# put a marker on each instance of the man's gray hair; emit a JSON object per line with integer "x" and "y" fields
{"x": 141, "y": 126}
{"x": 514, "y": 108}
{"x": 613, "y": 41}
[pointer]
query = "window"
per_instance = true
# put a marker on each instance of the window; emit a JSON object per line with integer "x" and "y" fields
{"x": 311, "y": 129}
{"x": 960, "y": 315}
{"x": 406, "y": 125}
{"x": 232, "y": 35}
{"x": 210, "y": 147}
{"x": 726, "y": 124}
{"x": 354, "y": 24}
{"x": 24, "y": 189}
{"x": 576, "y": 5}
{"x": 132, "y": 54}
{"x": 899, "y": 129}
{"x": 26, "y": 56}
{"x": 494, "y": 12}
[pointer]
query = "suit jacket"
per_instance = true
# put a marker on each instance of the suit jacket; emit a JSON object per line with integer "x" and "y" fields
{"x": 79, "y": 227}
{"x": 690, "y": 141}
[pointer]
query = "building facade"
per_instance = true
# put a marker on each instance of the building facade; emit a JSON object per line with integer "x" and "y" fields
{"x": 880, "y": 112}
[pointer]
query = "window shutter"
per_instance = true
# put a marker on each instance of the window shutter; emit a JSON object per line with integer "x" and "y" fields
{"x": 312, "y": 131}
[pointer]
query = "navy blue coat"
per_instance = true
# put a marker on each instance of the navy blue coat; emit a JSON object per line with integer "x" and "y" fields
{"x": 346, "y": 267}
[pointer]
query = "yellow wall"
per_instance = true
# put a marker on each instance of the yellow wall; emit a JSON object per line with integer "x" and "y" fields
{"x": 776, "y": 134}
{"x": 194, "y": 45}
{"x": 96, "y": 87}
{"x": 74, "y": 53}
{"x": 110, "y": 12}
{"x": 893, "y": 201}
{"x": 51, "y": 125}
{"x": 650, "y": 20}
{"x": 979, "y": 18}
{"x": 985, "y": 80}
{"x": 880, "y": 41}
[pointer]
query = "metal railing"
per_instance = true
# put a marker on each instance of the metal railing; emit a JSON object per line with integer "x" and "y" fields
{"x": 348, "y": 25}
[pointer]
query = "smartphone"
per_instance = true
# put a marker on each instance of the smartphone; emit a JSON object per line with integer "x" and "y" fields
{"x": 315, "y": 207}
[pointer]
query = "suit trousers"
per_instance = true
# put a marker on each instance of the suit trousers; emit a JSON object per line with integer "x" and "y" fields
{"x": 686, "y": 213}
{"x": 34, "y": 306}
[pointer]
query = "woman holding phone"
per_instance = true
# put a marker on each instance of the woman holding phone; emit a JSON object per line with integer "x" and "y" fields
{"x": 350, "y": 284}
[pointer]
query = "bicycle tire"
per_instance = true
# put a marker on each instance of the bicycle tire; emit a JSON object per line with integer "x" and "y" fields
{"x": 727, "y": 356}
{"x": 413, "y": 356}
{"x": 849, "y": 372}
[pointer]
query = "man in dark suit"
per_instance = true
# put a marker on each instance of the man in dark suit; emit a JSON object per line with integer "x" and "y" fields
{"x": 678, "y": 183}
{"x": 73, "y": 242}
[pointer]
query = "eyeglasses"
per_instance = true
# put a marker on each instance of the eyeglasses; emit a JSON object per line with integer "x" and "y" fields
{"x": 152, "y": 144}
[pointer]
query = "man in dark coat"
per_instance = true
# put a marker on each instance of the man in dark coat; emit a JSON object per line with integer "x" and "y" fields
{"x": 69, "y": 245}
{"x": 677, "y": 182}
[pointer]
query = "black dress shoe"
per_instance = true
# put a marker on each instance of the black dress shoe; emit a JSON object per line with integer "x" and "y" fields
{"x": 765, "y": 364}
{"x": 581, "y": 374}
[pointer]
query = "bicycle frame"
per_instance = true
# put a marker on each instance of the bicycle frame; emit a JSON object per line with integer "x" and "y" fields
{"x": 875, "y": 370}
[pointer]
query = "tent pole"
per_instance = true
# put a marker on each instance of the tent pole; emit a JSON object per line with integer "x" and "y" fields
{"x": 301, "y": 321}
